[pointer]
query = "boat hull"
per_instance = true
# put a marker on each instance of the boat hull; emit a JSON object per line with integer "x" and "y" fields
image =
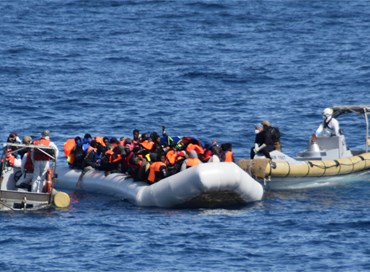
{"x": 290, "y": 174}
{"x": 301, "y": 183}
{"x": 207, "y": 185}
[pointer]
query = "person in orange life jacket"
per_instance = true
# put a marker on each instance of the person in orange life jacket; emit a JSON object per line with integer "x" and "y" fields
{"x": 174, "y": 159}
{"x": 26, "y": 166}
{"x": 10, "y": 159}
{"x": 41, "y": 161}
{"x": 115, "y": 160}
{"x": 195, "y": 145}
{"x": 207, "y": 153}
{"x": 227, "y": 153}
{"x": 263, "y": 142}
{"x": 193, "y": 160}
{"x": 106, "y": 160}
{"x": 146, "y": 142}
{"x": 158, "y": 170}
{"x": 127, "y": 149}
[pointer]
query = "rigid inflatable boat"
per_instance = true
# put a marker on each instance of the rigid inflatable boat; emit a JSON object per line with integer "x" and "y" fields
{"x": 15, "y": 191}
{"x": 216, "y": 184}
{"x": 327, "y": 161}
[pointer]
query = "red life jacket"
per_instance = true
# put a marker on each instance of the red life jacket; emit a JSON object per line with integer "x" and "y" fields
{"x": 28, "y": 167}
{"x": 38, "y": 155}
{"x": 128, "y": 162}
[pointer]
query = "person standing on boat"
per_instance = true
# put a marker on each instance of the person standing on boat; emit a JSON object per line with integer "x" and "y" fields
{"x": 41, "y": 161}
{"x": 329, "y": 126}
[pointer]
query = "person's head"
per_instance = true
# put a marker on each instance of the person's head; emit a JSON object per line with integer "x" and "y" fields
{"x": 193, "y": 154}
{"x": 258, "y": 128}
{"x": 144, "y": 137}
{"x": 327, "y": 113}
{"x": 106, "y": 140}
{"x": 45, "y": 133}
{"x": 162, "y": 157}
{"x": 12, "y": 137}
{"x": 94, "y": 144}
{"x": 27, "y": 140}
{"x": 135, "y": 133}
{"x": 265, "y": 123}
{"x": 78, "y": 141}
{"x": 113, "y": 141}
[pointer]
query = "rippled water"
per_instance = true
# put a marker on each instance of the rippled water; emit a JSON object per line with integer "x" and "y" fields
{"x": 208, "y": 69}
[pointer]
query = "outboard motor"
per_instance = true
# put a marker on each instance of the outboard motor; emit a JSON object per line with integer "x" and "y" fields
{"x": 313, "y": 147}
{"x": 313, "y": 151}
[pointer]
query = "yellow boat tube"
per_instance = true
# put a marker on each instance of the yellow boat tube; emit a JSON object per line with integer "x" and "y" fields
{"x": 264, "y": 168}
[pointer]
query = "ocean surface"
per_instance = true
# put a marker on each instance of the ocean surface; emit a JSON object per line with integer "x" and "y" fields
{"x": 207, "y": 69}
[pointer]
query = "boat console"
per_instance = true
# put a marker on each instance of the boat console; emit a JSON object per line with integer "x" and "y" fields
{"x": 325, "y": 148}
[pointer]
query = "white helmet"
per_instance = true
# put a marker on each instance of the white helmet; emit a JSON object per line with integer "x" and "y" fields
{"x": 327, "y": 112}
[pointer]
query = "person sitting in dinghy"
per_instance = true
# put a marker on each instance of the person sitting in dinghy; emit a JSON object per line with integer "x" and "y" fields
{"x": 227, "y": 153}
{"x": 329, "y": 126}
{"x": 263, "y": 142}
{"x": 158, "y": 169}
{"x": 193, "y": 160}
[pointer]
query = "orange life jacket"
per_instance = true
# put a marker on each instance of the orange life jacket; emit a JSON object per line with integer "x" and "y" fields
{"x": 195, "y": 147}
{"x": 10, "y": 159}
{"x": 49, "y": 181}
{"x": 192, "y": 162}
{"x": 171, "y": 157}
{"x": 229, "y": 156}
{"x": 147, "y": 145}
{"x": 112, "y": 158}
{"x": 38, "y": 155}
{"x": 155, "y": 167}
{"x": 100, "y": 140}
{"x": 68, "y": 146}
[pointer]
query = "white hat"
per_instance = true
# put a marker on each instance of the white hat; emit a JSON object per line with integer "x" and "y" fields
{"x": 327, "y": 112}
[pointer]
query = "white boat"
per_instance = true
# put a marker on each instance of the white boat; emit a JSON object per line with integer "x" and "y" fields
{"x": 217, "y": 184}
{"x": 13, "y": 197}
{"x": 326, "y": 162}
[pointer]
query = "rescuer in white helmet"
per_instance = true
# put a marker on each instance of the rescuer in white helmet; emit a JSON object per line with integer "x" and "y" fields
{"x": 329, "y": 126}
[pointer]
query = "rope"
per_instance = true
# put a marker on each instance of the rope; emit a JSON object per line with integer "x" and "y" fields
{"x": 337, "y": 163}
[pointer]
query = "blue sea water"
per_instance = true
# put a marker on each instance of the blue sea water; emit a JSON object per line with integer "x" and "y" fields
{"x": 208, "y": 69}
